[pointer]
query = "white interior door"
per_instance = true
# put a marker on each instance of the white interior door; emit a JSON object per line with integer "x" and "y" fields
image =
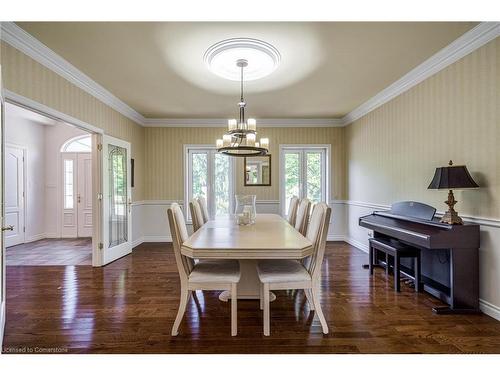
{"x": 2, "y": 214}
{"x": 84, "y": 194}
{"x": 117, "y": 199}
{"x": 69, "y": 206}
{"x": 14, "y": 195}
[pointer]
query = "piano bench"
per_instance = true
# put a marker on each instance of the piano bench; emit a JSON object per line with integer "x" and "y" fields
{"x": 397, "y": 250}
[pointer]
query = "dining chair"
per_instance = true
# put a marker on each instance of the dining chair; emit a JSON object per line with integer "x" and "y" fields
{"x": 302, "y": 219}
{"x": 292, "y": 210}
{"x": 204, "y": 208}
{"x": 203, "y": 275}
{"x": 196, "y": 214}
{"x": 282, "y": 274}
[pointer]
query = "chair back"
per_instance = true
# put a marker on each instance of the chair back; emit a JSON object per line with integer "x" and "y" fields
{"x": 204, "y": 209}
{"x": 292, "y": 210}
{"x": 317, "y": 233}
{"x": 196, "y": 214}
{"x": 179, "y": 233}
{"x": 302, "y": 219}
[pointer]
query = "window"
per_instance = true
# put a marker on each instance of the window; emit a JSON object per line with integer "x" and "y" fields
{"x": 209, "y": 174}
{"x": 68, "y": 184}
{"x": 78, "y": 144}
{"x": 304, "y": 173}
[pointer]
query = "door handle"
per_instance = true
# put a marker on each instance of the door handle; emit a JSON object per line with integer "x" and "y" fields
{"x": 10, "y": 227}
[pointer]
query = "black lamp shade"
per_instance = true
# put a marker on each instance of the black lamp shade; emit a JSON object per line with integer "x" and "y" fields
{"x": 452, "y": 177}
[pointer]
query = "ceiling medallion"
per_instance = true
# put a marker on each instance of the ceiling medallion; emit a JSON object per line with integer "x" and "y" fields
{"x": 262, "y": 58}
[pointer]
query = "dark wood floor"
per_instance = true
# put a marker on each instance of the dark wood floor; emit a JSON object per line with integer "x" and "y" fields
{"x": 129, "y": 307}
{"x": 51, "y": 252}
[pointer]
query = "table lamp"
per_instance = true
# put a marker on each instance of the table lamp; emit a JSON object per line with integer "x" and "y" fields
{"x": 452, "y": 177}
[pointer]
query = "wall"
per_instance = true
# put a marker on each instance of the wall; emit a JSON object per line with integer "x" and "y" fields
{"x": 29, "y": 135}
{"x": 24, "y": 76}
{"x": 164, "y": 158}
{"x": 392, "y": 153}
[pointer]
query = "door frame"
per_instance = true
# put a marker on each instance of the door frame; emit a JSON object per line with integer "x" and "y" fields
{"x": 96, "y": 133}
{"x": 25, "y": 196}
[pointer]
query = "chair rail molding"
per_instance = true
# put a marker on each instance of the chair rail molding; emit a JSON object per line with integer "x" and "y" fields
{"x": 462, "y": 46}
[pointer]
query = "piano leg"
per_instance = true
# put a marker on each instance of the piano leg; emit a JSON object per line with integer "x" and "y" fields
{"x": 397, "y": 276}
{"x": 464, "y": 283}
{"x": 370, "y": 259}
{"x": 418, "y": 271}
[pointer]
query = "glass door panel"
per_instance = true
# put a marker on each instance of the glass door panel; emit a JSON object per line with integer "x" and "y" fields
{"x": 292, "y": 177}
{"x": 118, "y": 195}
{"x": 314, "y": 176}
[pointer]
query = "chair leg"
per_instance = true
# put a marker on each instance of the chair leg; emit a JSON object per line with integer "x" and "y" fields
{"x": 234, "y": 310}
{"x": 182, "y": 309}
{"x": 397, "y": 277}
{"x": 315, "y": 297}
{"x": 307, "y": 292}
{"x": 266, "y": 310}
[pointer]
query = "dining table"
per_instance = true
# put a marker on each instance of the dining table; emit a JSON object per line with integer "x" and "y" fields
{"x": 270, "y": 237}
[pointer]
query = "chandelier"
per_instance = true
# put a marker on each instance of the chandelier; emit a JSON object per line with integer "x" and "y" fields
{"x": 240, "y": 139}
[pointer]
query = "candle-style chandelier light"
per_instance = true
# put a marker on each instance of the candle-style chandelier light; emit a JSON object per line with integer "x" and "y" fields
{"x": 240, "y": 139}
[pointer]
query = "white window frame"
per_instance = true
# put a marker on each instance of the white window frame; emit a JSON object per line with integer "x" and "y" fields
{"x": 188, "y": 177}
{"x": 303, "y": 149}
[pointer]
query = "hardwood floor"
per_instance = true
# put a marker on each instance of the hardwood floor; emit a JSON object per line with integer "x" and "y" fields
{"x": 129, "y": 307}
{"x": 51, "y": 252}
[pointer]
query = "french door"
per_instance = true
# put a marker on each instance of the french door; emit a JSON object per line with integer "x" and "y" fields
{"x": 303, "y": 173}
{"x": 116, "y": 199}
{"x": 210, "y": 175}
{"x": 14, "y": 195}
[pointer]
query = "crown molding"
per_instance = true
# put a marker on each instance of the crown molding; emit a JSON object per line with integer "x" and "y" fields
{"x": 262, "y": 123}
{"x": 465, "y": 44}
{"x": 29, "y": 45}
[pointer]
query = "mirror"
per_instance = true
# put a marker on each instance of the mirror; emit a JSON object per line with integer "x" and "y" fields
{"x": 257, "y": 171}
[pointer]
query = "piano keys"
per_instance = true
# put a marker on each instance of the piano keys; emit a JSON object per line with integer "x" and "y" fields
{"x": 450, "y": 253}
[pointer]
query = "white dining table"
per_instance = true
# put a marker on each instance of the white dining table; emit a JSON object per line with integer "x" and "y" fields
{"x": 271, "y": 237}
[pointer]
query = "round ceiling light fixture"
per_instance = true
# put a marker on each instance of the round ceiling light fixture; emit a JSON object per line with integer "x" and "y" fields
{"x": 262, "y": 57}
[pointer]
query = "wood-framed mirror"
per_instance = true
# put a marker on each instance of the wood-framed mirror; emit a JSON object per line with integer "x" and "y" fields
{"x": 257, "y": 171}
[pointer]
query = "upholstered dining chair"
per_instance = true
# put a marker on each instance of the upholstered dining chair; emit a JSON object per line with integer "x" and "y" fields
{"x": 196, "y": 214}
{"x": 204, "y": 208}
{"x": 302, "y": 219}
{"x": 281, "y": 274}
{"x": 203, "y": 275}
{"x": 292, "y": 210}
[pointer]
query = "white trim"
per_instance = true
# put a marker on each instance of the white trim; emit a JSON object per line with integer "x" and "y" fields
{"x": 263, "y": 123}
{"x": 465, "y": 44}
{"x": 489, "y": 309}
{"x": 42, "y": 109}
{"x": 29, "y": 45}
{"x": 157, "y": 238}
{"x": 36, "y": 237}
{"x": 2, "y": 322}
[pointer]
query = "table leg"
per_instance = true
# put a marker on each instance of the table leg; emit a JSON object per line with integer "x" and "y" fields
{"x": 249, "y": 285}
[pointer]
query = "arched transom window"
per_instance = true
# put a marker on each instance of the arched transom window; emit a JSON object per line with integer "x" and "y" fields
{"x": 78, "y": 144}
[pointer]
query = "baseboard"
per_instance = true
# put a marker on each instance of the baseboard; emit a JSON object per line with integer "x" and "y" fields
{"x": 36, "y": 237}
{"x": 335, "y": 237}
{"x": 2, "y": 324}
{"x": 489, "y": 309}
{"x": 360, "y": 245}
{"x": 137, "y": 242}
{"x": 157, "y": 238}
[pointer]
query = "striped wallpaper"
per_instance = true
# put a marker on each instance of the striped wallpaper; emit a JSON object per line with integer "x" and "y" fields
{"x": 392, "y": 152}
{"x": 26, "y": 77}
{"x": 164, "y": 158}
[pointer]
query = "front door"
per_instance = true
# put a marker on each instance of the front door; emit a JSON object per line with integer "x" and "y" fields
{"x": 84, "y": 194}
{"x": 117, "y": 199}
{"x": 14, "y": 195}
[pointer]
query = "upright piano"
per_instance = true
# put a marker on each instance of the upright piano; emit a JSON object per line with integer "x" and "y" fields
{"x": 449, "y": 253}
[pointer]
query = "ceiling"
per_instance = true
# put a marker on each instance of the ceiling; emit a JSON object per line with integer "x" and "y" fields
{"x": 327, "y": 68}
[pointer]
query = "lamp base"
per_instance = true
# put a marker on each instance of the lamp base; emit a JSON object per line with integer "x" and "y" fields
{"x": 451, "y": 216}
